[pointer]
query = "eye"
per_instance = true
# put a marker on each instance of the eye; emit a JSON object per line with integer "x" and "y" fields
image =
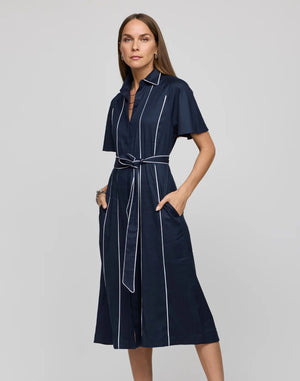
{"x": 125, "y": 39}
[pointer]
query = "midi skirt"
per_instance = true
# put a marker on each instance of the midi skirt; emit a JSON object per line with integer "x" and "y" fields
{"x": 165, "y": 304}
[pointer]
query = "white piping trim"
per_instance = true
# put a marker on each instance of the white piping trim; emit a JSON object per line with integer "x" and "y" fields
{"x": 158, "y": 121}
{"x": 117, "y": 128}
{"x": 119, "y": 323}
{"x": 104, "y": 232}
{"x": 161, "y": 229}
{"x": 131, "y": 190}
{"x": 153, "y": 83}
{"x": 163, "y": 257}
{"x": 141, "y": 252}
{"x": 140, "y": 120}
{"x": 126, "y": 243}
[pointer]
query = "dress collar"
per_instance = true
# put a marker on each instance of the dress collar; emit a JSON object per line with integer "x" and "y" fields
{"x": 153, "y": 77}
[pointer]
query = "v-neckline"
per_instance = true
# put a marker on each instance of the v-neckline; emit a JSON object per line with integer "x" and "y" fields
{"x": 130, "y": 118}
{"x": 132, "y": 111}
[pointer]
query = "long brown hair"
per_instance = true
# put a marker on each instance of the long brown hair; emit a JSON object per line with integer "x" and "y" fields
{"x": 162, "y": 63}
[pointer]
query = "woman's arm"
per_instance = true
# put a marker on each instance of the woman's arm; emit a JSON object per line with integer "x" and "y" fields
{"x": 203, "y": 161}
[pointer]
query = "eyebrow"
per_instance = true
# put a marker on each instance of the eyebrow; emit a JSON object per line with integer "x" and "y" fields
{"x": 144, "y": 34}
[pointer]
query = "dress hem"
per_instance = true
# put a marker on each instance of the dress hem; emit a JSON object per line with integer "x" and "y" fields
{"x": 173, "y": 341}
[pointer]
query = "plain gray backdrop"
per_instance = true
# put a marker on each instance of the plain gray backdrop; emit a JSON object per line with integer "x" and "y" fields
{"x": 59, "y": 71}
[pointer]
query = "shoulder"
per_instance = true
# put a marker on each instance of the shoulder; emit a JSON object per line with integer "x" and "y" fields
{"x": 115, "y": 99}
{"x": 179, "y": 89}
{"x": 175, "y": 82}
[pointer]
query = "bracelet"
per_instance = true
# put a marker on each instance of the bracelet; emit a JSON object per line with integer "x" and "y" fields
{"x": 100, "y": 191}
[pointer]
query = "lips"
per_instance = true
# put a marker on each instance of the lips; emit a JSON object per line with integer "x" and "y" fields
{"x": 135, "y": 57}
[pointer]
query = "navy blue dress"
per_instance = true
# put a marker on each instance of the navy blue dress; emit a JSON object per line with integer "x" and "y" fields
{"x": 149, "y": 294}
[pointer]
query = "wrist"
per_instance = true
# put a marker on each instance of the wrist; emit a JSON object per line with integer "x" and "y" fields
{"x": 185, "y": 190}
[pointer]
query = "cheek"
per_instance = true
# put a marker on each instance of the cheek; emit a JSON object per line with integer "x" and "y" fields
{"x": 149, "y": 51}
{"x": 124, "y": 48}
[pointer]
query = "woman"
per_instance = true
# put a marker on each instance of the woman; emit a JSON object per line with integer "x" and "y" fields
{"x": 150, "y": 295}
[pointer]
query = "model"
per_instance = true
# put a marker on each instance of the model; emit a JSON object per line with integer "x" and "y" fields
{"x": 150, "y": 295}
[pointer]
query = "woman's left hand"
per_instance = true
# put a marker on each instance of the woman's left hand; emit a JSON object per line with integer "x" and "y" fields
{"x": 176, "y": 198}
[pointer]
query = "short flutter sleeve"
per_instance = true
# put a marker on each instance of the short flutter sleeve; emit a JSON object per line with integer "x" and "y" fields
{"x": 108, "y": 142}
{"x": 189, "y": 118}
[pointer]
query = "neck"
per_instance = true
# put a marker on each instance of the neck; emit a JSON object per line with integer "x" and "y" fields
{"x": 138, "y": 75}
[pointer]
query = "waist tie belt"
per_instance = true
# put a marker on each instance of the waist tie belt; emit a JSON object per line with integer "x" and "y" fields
{"x": 133, "y": 212}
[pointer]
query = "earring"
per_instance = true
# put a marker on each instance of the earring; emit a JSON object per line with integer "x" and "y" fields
{"x": 155, "y": 56}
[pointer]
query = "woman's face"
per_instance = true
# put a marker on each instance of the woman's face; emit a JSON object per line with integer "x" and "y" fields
{"x": 137, "y": 41}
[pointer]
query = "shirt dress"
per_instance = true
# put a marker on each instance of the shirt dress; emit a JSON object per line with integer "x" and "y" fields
{"x": 149, "y": 294}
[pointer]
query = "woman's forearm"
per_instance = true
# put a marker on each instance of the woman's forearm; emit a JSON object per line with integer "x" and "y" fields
{"x": 202, "y": 163}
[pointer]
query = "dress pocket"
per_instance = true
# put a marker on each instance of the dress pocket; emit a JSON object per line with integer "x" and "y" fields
{"x": 107, "y": 196}
{"x": 170, "y": 208}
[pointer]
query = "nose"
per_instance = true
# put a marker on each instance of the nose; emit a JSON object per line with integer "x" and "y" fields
{"x": 135, "y": 45}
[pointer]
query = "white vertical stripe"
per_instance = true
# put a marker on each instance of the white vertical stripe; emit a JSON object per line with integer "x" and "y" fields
{"x": 140, "y": 204}
{"x": 126, "y": 244}
{"x": 156, "y": 132}
{"x": 130, "y": 194}
{"x": 140, "y": 121}
{"x": 160, "y": 217}
{"x": 163, "y": 257}
{"x": 117, "y": 129}
{"x": 119, "y": 263}
{"x": 141, "y": 251}
{"x": 104, "y": 223}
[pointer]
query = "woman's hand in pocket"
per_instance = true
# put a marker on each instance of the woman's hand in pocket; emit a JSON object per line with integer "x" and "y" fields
{"x": 101, "y": 198}
{"x": 176, "y": 198}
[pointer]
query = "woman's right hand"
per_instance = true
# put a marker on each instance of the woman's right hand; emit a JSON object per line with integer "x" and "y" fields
{"x": 101, "y": 198}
